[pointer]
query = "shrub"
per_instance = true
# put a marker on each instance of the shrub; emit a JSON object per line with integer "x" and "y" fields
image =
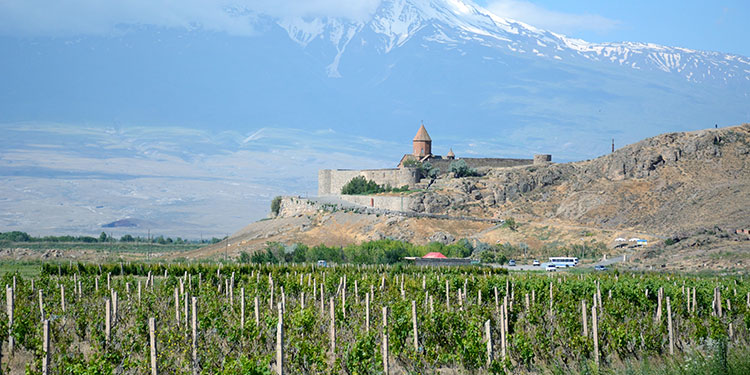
{"x": 276, "y": 205}
{"x": 511, "y": 224}
{"x": 426, "y": 170}
{"x": 460, "y": 169}
{"x": 360, "y": 185}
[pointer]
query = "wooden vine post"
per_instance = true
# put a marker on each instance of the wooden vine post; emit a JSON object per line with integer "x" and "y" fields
{"x": 489, "y": 341}
{"x": 367, "y": 312}
{"x": 176, "y": 305}
{"x": 195, "y": 335}
{"x": 332, "y": 330}
{"x": 414, "y": 324}
{"x": 657, "y": 318}
{"x": 152, "y": 342}
{"x": 497, "y": 306}
{"x": 242, "y": 308}
{"x": 280, "y": 342}
{"x": 41, "y": 305}
{"x": 385, "y": 341}
{"x": 186, "y": 311}
{"x": 447, "y": 296}
{"x": 550, "y": 298}
{"x": 584, "y": 318}
{"x": 502, "y": 333}
{"x": 62, "y": 298}
{"x": 107, "y": 321}
{"x": 343, "y": 300}
{"x": 114, "y": 306}
{"x": 45, "y": 347}
{"x": 9, "y": 302}
{"x": 669, "y": 327}
{"x": 595, "y": 331}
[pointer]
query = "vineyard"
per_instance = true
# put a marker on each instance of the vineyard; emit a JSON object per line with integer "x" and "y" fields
{"x": 303, "y": 319}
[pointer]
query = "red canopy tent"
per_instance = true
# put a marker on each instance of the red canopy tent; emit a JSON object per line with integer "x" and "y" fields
{"x": 434, "y": 255}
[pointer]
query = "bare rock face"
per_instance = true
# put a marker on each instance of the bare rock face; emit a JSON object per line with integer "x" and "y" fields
{"x": 642, "y": 159}
{"x": 665, "y": 184}
{"x": 444, "y": 238}
{"x": 431, "y": 203}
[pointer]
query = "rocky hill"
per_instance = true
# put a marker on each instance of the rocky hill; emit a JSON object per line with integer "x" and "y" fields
{"x": 684, "y": 192}
{"x": 666, "y": 185}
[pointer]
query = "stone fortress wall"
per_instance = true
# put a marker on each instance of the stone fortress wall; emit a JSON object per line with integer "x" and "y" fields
{"x": 330, "y": 181}
{"x": 384, "y": 202}
{"x": 445, "y": 164}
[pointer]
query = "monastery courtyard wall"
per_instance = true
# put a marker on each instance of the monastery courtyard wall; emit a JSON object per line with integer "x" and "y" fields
{"x": 330, "y": 181}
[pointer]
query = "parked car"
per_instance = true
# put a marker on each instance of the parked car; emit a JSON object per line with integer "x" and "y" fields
{"x": 535, "y": 263}
{"x": 512, "y": 263}
{"x": 600, "y": 268}
{"x": 322, "y": 263}
{"x": 550, "y": 268}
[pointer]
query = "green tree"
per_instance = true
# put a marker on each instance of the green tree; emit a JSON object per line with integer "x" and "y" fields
{"x": 103, "y": 237}
{"x": 361, "y": 185}
{"x": 15, "y": 236}
{"x": 276, "y": 205}
{"x": 460, "y": 169}
{"x": 426, "y": 170}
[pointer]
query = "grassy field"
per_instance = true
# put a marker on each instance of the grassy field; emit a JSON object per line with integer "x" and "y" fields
{"x": 24, "y": 269}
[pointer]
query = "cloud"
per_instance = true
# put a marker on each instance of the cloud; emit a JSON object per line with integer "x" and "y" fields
{"x": 235, "y": 17}
{"x": 560, "y": 22}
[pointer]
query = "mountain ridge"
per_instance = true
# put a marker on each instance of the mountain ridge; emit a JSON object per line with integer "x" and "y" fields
{"x": 396, "y": 22}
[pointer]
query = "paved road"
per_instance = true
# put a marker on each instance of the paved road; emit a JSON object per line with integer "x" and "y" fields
{"x": 529, "y": 267}
{"x": 609, "y": 261}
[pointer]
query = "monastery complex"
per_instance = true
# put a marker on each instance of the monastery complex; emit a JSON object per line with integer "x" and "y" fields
{"x": 330, "y": 181}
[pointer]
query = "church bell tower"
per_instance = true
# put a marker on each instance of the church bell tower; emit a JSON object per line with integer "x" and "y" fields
{"x": 422, "y": 143}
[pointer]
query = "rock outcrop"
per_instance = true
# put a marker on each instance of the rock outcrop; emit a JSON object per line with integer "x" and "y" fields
{"x": 670, "y": 183}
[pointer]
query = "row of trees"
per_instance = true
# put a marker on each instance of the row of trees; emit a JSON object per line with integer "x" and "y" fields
{"x": 391, "y": 252}
{"x": 373, "y": 252}
{"x": 17, "y": 236}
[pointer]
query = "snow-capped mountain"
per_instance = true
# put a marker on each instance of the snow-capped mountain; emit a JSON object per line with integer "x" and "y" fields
{"x": 459, "y": 24}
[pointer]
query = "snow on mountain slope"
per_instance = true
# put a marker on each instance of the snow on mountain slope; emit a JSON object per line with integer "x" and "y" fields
{"x": 463, "y": 23}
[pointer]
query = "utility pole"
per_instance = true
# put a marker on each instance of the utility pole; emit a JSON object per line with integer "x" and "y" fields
{"x": 226, "y": 249}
